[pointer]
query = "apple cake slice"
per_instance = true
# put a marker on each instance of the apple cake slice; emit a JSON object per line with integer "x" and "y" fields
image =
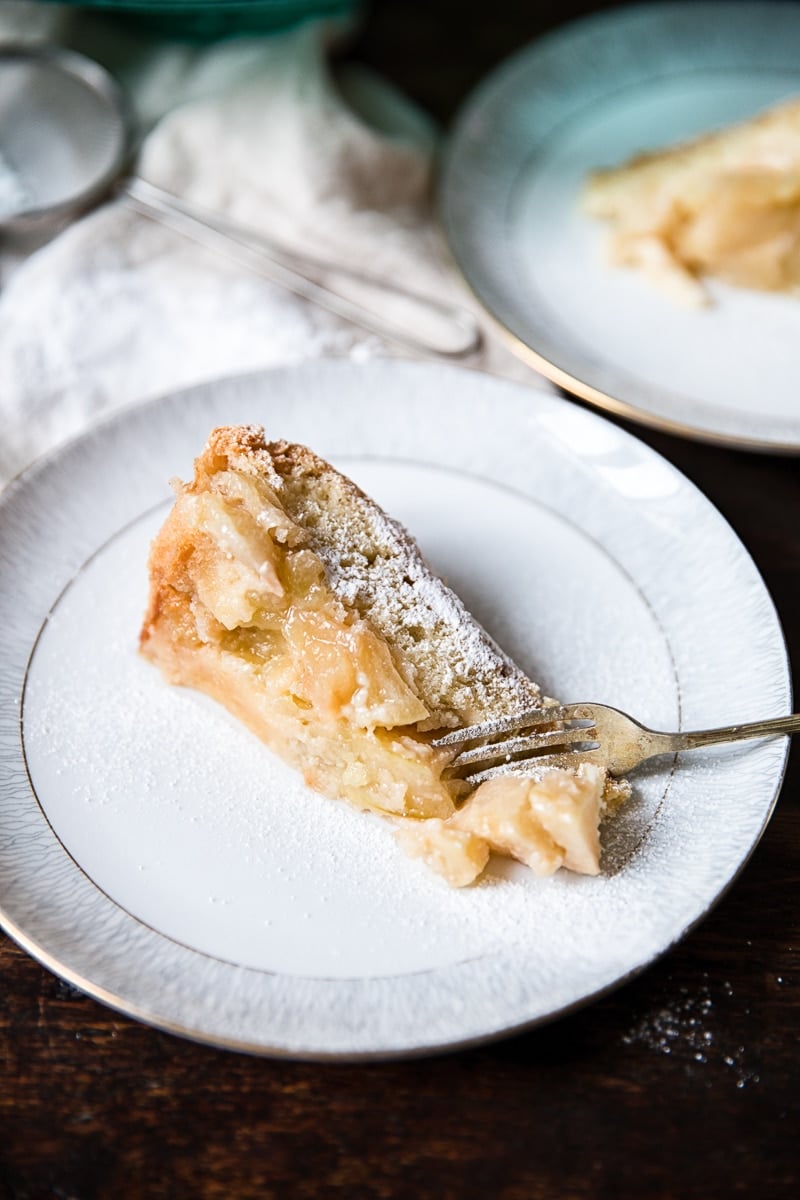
{"x": 281, "y": 590}
{"x": 724, "y": 205}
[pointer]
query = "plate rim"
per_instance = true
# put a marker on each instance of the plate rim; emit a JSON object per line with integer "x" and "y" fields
{"x": 113, "y": 1000}
{"x": 548, "y": 368}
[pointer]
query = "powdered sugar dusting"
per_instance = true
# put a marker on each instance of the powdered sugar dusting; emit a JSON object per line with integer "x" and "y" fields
{"x": 686, "y": 1028}
{"x": 374, "y": 565}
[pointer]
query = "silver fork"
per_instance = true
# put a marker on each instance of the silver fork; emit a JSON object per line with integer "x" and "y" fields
{"x": 570, "y": 734}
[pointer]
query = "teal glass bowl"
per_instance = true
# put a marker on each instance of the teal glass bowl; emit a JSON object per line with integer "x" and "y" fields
{"x": 207, "y": 19}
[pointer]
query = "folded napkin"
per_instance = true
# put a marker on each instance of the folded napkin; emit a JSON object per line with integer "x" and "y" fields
{"x": 117, "y": 308}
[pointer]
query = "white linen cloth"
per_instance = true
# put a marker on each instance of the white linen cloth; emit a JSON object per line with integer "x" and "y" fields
{"x": 117, "y": 308}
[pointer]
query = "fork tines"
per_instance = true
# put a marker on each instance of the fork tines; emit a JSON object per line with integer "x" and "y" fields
{"x": 539, "y": 733}
{"x": 509, "y": 748}
{"x": 498, "y": 725}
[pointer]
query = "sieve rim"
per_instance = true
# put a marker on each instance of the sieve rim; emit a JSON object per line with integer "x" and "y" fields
{"x": 105, "y": 88}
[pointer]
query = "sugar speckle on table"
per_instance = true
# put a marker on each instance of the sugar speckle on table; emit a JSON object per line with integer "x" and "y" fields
{"x": 688, "y": 1029}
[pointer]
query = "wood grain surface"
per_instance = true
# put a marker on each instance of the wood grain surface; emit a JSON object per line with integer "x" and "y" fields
{"x": 682, "y": 1084}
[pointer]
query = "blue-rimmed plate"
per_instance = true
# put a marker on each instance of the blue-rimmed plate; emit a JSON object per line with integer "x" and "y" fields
{"x": 591, "y": 95}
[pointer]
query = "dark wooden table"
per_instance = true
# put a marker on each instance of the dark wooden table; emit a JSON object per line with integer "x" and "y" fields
{"x": 683, "y": 1084}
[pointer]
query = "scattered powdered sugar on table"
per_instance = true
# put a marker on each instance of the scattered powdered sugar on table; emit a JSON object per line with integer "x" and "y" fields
{"x": 685, "y": 1029}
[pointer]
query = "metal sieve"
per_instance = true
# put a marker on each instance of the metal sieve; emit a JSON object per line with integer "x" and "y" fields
{"x": 63, "y": 134}
{"x": 66, "y": 135}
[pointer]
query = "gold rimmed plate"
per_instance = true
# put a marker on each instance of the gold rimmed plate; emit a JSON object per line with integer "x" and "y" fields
{"x": 591, "y": 95}
{"x": 158, "y": 856}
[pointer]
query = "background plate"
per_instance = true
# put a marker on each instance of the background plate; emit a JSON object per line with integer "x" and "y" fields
{"x": 157, "y": 855}
{"x": 591, "y": 95}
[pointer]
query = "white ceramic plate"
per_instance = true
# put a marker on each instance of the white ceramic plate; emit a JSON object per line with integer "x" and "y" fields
{"x": 591, "y": 95}
{"x": 154, "y": 853}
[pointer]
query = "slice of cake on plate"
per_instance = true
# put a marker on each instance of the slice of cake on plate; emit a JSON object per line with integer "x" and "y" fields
{"x": 281, "y": 590}
{"x": 725, "y": 205}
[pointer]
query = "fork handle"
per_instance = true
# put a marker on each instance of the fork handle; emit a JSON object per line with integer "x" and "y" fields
{"x": 728, "y": 733}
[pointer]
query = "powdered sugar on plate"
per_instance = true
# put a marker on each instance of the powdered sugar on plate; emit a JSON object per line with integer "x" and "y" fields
{"x": 188, "y": 823}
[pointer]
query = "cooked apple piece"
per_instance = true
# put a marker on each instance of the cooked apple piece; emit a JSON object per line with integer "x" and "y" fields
{"x": 456, "y": 854}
